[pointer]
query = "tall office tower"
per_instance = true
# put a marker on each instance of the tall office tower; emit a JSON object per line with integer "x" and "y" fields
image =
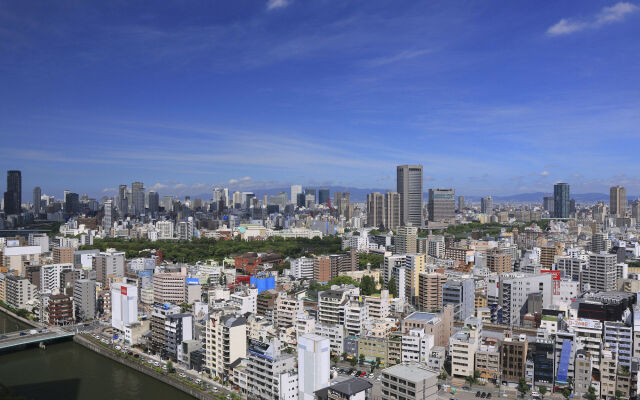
{"x": 375, "y": 209}
{"x": 392, "y": 210}
{"x": 442, "y": 204}
{"x": 409, "y": 186}
{"x": 618, "y": 201}
{"x": 137, "y": 197}
{"x": 71, "y": 203}
{"x": 313, "y": 365}
{"x": 154, "y": 202}
{"x": 323, "y": 196}
{"x": 486, "y": 205}
{"x": 295, "y": 191}
{"x": 107, "y": 219}
{"x": 37, "y": 205}
{"x": 300, "y": 200}
{"x": 237, "y": 199}
{"x": 342, "y": 203}
{"x": 406, "y": 241}
{"x": 122, "y": 201}
{"x": 561, "y": 200}
{"x": 84, "y": 299}
{"x": 547, "y": 204}
{"x": 218, "y": 199}
{"x": 310, "y": 192}
{"x": 460, "y": 203}
{"x": 13, "y": 195}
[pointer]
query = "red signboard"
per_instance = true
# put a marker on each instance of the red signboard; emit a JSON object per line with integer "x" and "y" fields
{"x": 555, "y": 275}
{"x": 123, "y": 290}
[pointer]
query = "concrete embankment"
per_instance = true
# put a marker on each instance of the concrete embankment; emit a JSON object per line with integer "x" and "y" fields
{"x": 170, "y": 380}
{"x": 25, "y": 321}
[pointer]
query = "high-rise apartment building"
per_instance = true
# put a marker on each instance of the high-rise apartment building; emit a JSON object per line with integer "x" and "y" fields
{"x": 84, "y": 299}
{"x": 498, "y": 261}
{"x": 63, "y": 255}
{"x": 169, "y": 287}
{"x": 375, "y": 210}
{"x": 410, "y": 187}
{"x": 154, "y": 202}
{"x": 430, "y": 291}
{"x": 123, "y": 200}
{"x": 461, "y": 204}
{"x": 406, "y": 241}
{"x": 108, "y": 218}
{"x": 600, "y": 272}
{"x": 618, "y": 201}
{"x": 442, "y": 204}
{"x": 13, "y": 195}
{"x": 226, "y": 342}
{"x": 392, "y": 210}
{"x": 461, "y": 294}
{"x": 108, "y": 265}
{"x": 561, "y": 200}
{"x": 547, "y": 204}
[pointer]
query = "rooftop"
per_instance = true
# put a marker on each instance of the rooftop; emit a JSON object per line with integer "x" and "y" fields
{"x": 421, "y": 316}
{"x": 413, "y": 372}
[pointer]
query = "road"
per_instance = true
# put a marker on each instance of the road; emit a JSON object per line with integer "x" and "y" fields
{"x": 96, "y": 331}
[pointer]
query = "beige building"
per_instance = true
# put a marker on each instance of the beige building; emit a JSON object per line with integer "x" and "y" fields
{"x": 226, "y": 341}
{"x": 63, "y": 255}
{"x": 430, "y": 291}
{"x": 440, "y": 325}
{"x": 414, "y": 265}
{"x": 488, "y": 359}
{"x": 406, "y": 240}
{"x": 286, "y": 311}
{"x": 498, "y": 261}
{"x": 169, "y": 287}
{"x": 410, "y": 381}
{"x": 373, "y": 348}
{"x": 462, "y": 348}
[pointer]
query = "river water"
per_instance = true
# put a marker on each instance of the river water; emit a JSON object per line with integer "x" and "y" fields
{"x": 70, "y": 371}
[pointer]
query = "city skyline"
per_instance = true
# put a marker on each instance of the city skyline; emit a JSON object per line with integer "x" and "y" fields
{"x": 496, "y": 99}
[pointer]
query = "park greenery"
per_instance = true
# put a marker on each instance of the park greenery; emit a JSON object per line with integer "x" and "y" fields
{"x": 370, "y": 258}
{"x": 206, "y": 249}
{"x": 490, "y": 228}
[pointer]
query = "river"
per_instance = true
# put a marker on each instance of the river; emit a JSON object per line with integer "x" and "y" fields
{"x": 70, "y": 371}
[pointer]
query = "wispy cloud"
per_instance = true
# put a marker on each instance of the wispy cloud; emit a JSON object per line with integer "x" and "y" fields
{"x": 544, "y": 174}
{"x": 607, "y": 15}
{"x": 272, "y": 4}
{"x": 404, "y": 55}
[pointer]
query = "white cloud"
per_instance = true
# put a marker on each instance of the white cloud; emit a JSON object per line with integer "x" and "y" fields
{"x": 607, "y": 15}
{"x": 273, "y": 4}
{"x": 401, "y": 56}
{"x": 544, "y": 173}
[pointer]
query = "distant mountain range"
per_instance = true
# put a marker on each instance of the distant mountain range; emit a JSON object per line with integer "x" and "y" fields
{"x": 360, "y": 195}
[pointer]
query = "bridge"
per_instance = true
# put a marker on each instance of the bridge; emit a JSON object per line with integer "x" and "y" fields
{"x": 16, "y": 340}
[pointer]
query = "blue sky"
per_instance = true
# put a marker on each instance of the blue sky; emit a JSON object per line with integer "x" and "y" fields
{"x": 493, "y": 97}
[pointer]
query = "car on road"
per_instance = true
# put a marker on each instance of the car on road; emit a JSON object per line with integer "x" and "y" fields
{"x": 483, "y": 395}
{"x": 478, "y": 393}
{"x": 157, "y": 364}
{"x": 118, "y": 348}
{"x": 488, "y": 395}
{"x": 182, "y": 375}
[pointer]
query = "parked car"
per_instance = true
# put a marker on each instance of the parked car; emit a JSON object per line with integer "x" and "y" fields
{"x": 478, "y": 393}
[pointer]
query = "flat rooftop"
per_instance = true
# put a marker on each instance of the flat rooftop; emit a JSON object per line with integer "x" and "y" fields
{"x": 412, "y": 372}
{"x": 421, "y": 316}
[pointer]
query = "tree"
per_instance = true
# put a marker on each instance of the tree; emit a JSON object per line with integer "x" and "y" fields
{"x": 543, "y": 391}
{"x": 378, "y": 361}
{"x": 566, "y": 393}
{"x": 618, "y": 394}
{"x": 391, "y": 285}
{"x": 361, "y": 359}
{"x": 523, "y": 388}
{"x": 591, "y": 393}
{"x": 353, "y": 362}
{"x": 344, "y": 355}
{"x": 170, "y": 368}
{"x": 367, "y": 286}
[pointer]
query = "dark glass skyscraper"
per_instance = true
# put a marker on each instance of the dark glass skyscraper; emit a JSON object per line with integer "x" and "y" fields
{"x": 323, "y": 196}
{"x": 561, "y": 200}
{"x": 13, "y": 195}
{"x": 409, "y": 184}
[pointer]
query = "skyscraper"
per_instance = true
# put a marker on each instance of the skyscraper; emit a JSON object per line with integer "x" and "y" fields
{"x": 310, "y": 192}
{"x": 486, "y": 205}
{"x": 295, "y": 191}
{"x": 37, "y": 205}
{"x": 123, "y": 201}
{"x": 342, "y": 203}
{"x": 392, "y": 210}
{"x": 561, "y": 200}
{"x": 137, "y": 195}
{"x": 107, "y": 219}
{"x": 409, "y": 186}
{"x": 460, "y": 203}
{"x": 442, "y": 204}
{"x": 154, "y": 202}
{"x": 618, "y": 201}
{"x": 313, "y": 365}
{"x": 71, "y": 203}
{"x": 13, "y": 195}
{"x": 323, "y": 196}
{"x": 375, "y": 209}
{"x": 547, "y": 203}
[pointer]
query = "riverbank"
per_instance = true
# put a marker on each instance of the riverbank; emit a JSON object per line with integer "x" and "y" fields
{"x": 25, "y": 321}
{"x": 122, "y": 358}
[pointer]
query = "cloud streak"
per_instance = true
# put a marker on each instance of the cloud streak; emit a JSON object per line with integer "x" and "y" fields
{"x": 606, "y": 16}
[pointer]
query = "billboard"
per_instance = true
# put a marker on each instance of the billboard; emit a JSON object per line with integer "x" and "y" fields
{"x": 193, "y": 281}
{"x": 123, "y": 290}
{"x": 555, "y": 277}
